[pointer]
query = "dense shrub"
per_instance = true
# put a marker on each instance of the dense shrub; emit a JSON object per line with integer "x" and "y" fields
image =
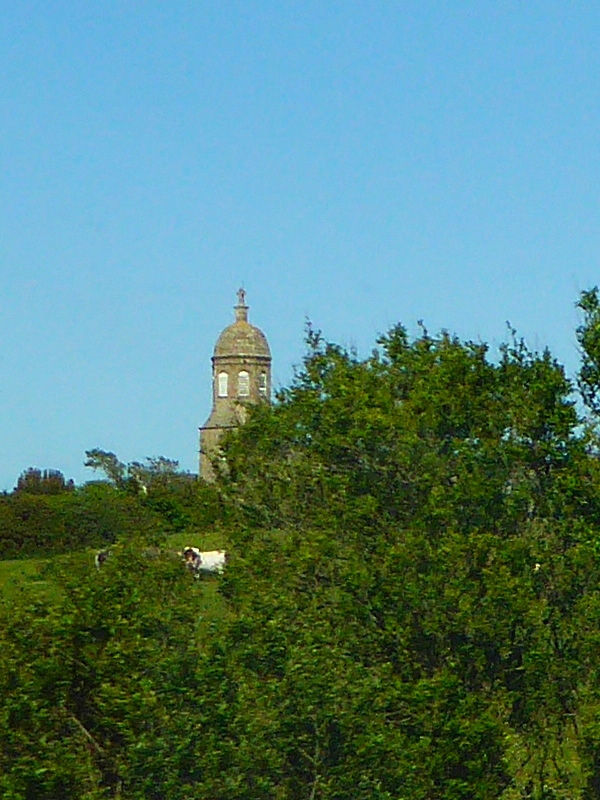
{"x": 92, "y": 516}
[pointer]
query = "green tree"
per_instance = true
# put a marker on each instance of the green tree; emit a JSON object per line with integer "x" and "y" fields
{"x": 430, "y": 513}
{"x": 177, "y": 496}
{"x": 588, "y": 338}
{"x": 48, "y": 481}
{"x": 100, "y": 689}
{"x": 411, "y": 608}
{"x": 90, "y": 516}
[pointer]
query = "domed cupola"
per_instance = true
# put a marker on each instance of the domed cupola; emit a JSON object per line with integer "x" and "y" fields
{"x": 241, "y": 338}
{"x": 241, "y": 368}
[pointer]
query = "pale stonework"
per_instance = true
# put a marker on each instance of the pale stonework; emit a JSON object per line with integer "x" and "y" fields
{"x": 241, "y": 348}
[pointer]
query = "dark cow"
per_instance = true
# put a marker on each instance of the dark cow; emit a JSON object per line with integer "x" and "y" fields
{"x": 100, "y": 558}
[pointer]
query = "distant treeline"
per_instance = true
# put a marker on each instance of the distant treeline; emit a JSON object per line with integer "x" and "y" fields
{"x": 47, "y": 515}
{"x": 34, "y": 524}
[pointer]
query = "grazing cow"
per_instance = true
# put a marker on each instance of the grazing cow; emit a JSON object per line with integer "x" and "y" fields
{"x": 100, "y": 558}
{"x": 192, "y": 559}
{"x": 198, "y": 561}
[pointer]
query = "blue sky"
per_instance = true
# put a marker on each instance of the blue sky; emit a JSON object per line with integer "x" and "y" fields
{"x": 356, "y": 163}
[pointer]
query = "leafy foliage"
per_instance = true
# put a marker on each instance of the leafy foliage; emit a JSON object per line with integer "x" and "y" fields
{"x": 47, "y": 515}
{"x": 179, "y": 499}
{"x": 436, "y": 514}
{"x": 588, "y": 337}
{"x": 93, "y": 685}
{"x": 92, "y": 516}
{"x": 48, "y": 481}
{"x": 411, "y": 609}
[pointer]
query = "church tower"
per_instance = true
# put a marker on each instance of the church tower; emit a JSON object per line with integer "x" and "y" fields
{"x": 241, "y": 374}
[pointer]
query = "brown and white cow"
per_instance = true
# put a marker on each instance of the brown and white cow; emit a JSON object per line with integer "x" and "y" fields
{"x": 198, "y": 561}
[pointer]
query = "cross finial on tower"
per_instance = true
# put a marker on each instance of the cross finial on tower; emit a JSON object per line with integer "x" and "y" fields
{"x": 241, "y": 310}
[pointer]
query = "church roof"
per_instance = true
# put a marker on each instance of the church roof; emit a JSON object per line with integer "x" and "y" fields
{"x": 241, "y": 338}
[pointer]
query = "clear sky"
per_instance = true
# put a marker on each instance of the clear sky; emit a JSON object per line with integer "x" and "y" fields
{"x": 356, "y": 163}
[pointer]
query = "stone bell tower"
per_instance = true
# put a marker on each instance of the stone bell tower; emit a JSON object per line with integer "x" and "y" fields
{"x": 241, "y": 374}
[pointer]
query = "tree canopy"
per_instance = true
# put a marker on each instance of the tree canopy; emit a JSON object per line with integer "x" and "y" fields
{"x": 48, "y": 481}
{"x": 411, "y": 608}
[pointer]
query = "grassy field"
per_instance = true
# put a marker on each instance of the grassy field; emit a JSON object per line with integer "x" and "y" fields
{"x": 29, "y": 576}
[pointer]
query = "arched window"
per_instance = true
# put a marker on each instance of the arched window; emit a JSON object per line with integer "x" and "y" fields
{"x": 262, "y": 384}
{"x": 243, "y": 384}
{"x": 223, "y": 381}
